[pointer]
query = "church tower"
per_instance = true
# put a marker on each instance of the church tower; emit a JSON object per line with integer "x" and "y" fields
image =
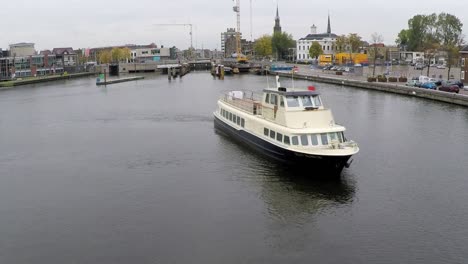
{"x": 277, "y": 27}
{"x": 329, "y": 27}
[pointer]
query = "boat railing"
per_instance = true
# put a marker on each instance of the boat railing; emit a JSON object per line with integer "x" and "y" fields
{"x": 247, "y": 101}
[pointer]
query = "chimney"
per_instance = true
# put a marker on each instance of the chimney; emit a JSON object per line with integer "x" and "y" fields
{"x": 313, "y": 29}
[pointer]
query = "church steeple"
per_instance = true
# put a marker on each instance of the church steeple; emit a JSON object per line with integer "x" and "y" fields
{"x": 277, "y": 27}
{"x": 329, "y": 27}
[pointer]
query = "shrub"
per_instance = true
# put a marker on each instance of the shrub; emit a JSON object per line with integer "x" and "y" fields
{"x": 371, "y": 79}
{"x": 402, "y": 79}
{"x": 392, "y": 79}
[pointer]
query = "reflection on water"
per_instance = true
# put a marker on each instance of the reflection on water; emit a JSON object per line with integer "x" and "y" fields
{"x": 290, "y": 192}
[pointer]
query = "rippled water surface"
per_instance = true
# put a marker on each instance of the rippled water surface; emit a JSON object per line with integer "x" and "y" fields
{"x": 135, "y": 173}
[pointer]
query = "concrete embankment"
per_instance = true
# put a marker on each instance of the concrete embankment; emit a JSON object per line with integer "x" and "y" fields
{"x": 112, "y": 81}
{"x": 9, "y": 84}
{"x": 453, "y": 98}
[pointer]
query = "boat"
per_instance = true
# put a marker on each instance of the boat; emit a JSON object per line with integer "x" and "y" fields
{"x": 287, "y": 124}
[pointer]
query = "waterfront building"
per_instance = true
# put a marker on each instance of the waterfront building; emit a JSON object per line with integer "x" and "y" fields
{"x": 22, "y": 49}
{"x": 228, "y": 42}
{"x": 67, "y": 56}
{"x": 464, "y": 64}
{"x": 27, "y": 66}
{"x": 326, "y": 40}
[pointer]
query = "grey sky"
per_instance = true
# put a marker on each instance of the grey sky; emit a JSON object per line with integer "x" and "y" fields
{"x": 87, "y": 23}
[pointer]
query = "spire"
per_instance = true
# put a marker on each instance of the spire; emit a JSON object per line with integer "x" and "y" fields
{"x": 277, "y": 27}
{"x": 329, "y": 27}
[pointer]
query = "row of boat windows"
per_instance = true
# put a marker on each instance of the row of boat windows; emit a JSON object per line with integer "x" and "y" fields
{"x": 294, "y": 101}
{"x": 233, "y": 118}
{"x": 306, "y": 139}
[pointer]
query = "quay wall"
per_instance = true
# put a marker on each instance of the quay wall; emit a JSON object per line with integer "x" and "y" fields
{"x": 453, "y": 98}
{"x": 9, "y": 84}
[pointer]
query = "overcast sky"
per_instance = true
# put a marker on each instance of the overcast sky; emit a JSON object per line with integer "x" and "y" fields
{"x": 95, "y": 23}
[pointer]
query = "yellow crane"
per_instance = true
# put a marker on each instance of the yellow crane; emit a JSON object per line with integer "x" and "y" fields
{"x": 240, "y": 56}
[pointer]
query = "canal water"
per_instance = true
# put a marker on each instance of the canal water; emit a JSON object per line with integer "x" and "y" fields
{"x": 135, "y": 173}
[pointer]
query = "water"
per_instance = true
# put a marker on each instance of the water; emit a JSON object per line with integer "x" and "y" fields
{"x": 135, "y": 173}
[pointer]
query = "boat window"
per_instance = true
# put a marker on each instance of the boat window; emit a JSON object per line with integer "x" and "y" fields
{"x": 267, "y": 98}
{"x": 234, "y": 118}
{"x": 333, "y": 136}
{"x": 230, "y": 116}
{"x": 272, "y": 134}
{"x": 273, "y": 99}
{"x": 304, "y": 140}
{"x": 292, "y": 101}
{"x": 242, "y": 122}
{"x": 317, "y": 101}
{"x": 295, "y": 141}
{"x": 281, "y": 101}
{"x": 286, "y": 140}
{"x": 341, "y": 136}
{"x": 265, "y": 131}
{"x": 306, "y": 101}
{"x": 314, "y": 139}
{"x": 238, "y": 120}
{"x": 324, "y": 139}
{"x": 279, "y": 137}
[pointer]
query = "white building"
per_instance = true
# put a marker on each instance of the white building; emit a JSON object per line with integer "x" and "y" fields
{"x": 326, "y": 40}
{"x": 22, "y": 49}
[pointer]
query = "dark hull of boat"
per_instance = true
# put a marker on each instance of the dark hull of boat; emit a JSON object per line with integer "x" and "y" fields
{"x": 315, "y": 164}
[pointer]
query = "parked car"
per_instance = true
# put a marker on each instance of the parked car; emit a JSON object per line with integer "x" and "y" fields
{"x": 440, "y": 66}
{"x": 449, "y": 88}
{"x": 413, "y": 83}
{"x": 429, "y": 85}
{"x": 457, "y": 83}
{"x": 419, "y": 66}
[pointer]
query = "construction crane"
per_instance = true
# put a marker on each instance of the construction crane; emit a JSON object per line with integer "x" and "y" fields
{"x": 240, "y": 56}
{"x": 176, "y": 24}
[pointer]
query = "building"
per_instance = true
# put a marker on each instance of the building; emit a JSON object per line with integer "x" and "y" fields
{"x": 464, "y": 64}
{"x": 326, "y": 40}
{"x": 226, "y": 39}
{"x": 22, "y": 49}
{"x": 412, "y": 57}
{"x": 277, "y": 27}
{"x": 67, "y": 56}
{"x": 27, "y": 66}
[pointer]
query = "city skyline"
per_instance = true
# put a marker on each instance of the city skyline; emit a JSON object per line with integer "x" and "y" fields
{"x": 83, "y": 24}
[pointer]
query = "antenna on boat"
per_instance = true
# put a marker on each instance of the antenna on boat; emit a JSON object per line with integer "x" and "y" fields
{"x": 292, "y": 77}
{"x": 268, "y": 80}
{"x": 278, "y": 84}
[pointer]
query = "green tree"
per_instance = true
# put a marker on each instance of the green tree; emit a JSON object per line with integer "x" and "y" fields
{"x": 340, "y": 44}
{"x": 402, "y": 40}
{"x": 449, "y": 32}
{"x": 315, "y": 50}
{"x": 263, "y": 47}
{"x": 105, "y": 56}
{"x": 354, "y": 43}
{"x": 281, "y": 42}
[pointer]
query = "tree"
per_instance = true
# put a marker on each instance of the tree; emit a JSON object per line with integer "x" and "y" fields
{"x": 376, "y": 38}
{"x": 105, "y": 57}
{"x": 450, "y": 35}
{"x": 315, "y": 50}
{"x": 402, "y": 40}
{"x": 341, "y": 42}
{"x": 281, "y": 42}
{"x": 263, "y": 47}
{"x": 354, "y": 43}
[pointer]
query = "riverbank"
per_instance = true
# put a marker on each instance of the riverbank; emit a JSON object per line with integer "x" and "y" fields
{"x": 33, "y": 80}
{"x": 398, "y": 88}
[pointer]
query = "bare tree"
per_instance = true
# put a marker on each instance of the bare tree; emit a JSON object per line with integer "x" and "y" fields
{"x": 376, "y": 39}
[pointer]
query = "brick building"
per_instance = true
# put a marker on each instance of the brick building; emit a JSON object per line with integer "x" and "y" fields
{"x": 464, "y": 64}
